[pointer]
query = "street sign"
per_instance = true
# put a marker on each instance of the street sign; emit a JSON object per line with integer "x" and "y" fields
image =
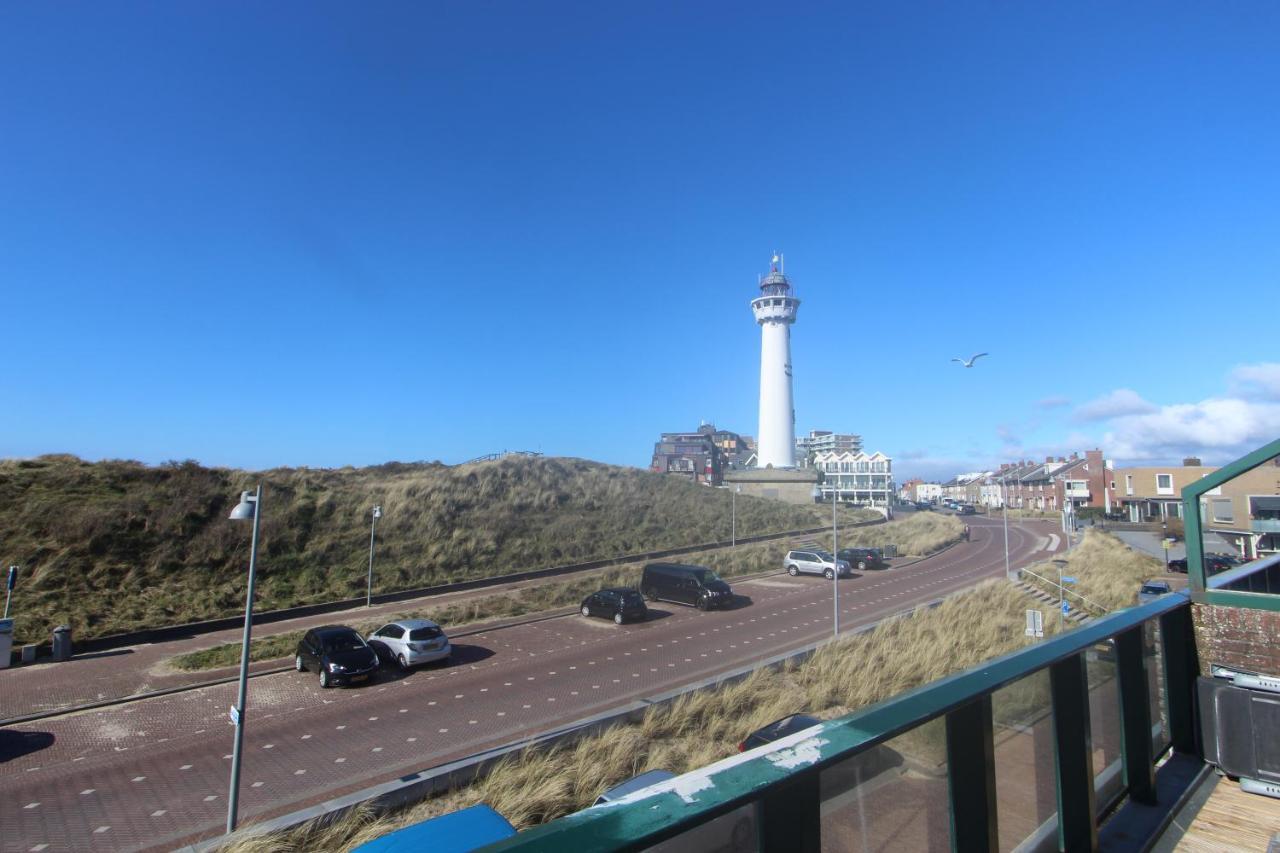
{"x": 1066, "y": 608}
{"x": 1066, "y": 579}
{"x": 234, "y": 714}
{"x": 1035, "y": 623}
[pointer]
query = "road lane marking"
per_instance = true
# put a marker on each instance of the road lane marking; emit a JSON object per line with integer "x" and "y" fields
{"x": 87, "y": 791}
{"x": 159, "y": 812}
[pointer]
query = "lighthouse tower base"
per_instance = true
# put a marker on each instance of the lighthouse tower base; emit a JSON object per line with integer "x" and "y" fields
{"x": 789, "y": 485}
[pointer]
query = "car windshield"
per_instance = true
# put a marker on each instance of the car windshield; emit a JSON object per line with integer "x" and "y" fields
{"x": 1156, "y": 589}
{"x": 425, "y": 633}
{"x": 343, "y": 642}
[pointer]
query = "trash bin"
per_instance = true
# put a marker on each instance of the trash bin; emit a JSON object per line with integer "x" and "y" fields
{"x": 890, "y": 551}
{"x": 6, "y": 641}
{"x": 62, "y": 643}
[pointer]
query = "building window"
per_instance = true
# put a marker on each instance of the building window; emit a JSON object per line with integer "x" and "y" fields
{"x": 1128, "y": 484}
{"x": 1164, "y": 484}
{"x": 1222, "y": 509}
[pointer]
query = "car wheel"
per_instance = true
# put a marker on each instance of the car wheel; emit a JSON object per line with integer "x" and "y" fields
{"x": 400, "y": 659}
{"x": 324, "y": 679}
{"x": 586, "y": 610}
{"x": 702, "y": 604}
{"x": 793, "y": 571}
{"x": 298, "y": 664}
{"x": 828, "y": 574}
{"x": 862, "y": 564}
{"x": 617, "y": 618}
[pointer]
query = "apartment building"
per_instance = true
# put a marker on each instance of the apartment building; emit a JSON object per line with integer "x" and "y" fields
{"x": 1155, "y": 493}
{"x": 856, "y": 478}
{"x": 825, "y": 441}
{"x": 1246, "y": 511}
{"x": 703, "y": 456}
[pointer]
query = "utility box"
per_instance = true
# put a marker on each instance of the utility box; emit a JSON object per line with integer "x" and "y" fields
{"x": 62, "y": 643}
{"x": 6, "y": 641}
{"x": 890, "y": 551}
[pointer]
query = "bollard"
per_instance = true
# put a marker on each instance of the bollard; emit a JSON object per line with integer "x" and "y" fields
{"x": 62, "y": 643}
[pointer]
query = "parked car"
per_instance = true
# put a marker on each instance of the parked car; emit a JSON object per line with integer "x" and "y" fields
{"x": 815, "y": 563}
{"x": 338, "y": 653}
{"x": 778, "y": 729}
{"x": 456, "y": 832}
{"x": 862, "y": 558}
{"x": 1153, "y": 589}
{"x": 967, "y": 509}
{"x": 619, "y": 604}
{"x": 1213, "y": 563}
{"x": 733, "y": 832}
{"x": 694, "y": 585}
{"x": 410, "y": 642}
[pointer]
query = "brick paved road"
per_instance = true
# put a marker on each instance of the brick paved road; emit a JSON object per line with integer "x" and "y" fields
{"x": 154, "y": 773}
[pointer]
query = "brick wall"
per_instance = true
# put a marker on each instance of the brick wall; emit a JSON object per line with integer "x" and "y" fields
{"x": 1237, "y": 638}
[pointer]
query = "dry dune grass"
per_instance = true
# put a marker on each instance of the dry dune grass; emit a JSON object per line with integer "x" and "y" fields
{"x": 116, "y": 546}
{"x": 918, "y": 534}
{"x": 1106, "y": 570}
{"x": 536, "y": 785}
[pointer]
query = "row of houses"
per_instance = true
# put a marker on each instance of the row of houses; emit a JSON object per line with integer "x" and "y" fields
{"x": 1244, "y": 511}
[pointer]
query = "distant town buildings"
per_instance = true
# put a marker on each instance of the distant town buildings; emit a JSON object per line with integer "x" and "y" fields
{"x": 703, "y": 455}
{"x": 1244, "y": 511}
{"x": 856, "y": 478}
{"x": 825, "y": 441}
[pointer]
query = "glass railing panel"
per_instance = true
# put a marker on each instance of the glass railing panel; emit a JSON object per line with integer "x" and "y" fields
{"x": 734, "y": 832}
{"x": 1026, "y": 784}
{"x": 1104, "y": 723}
{"x": 891, "y": 797}
{"x": 1152, "y": 652}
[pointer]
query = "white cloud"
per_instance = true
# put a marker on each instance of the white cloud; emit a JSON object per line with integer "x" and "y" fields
{"x": 1219, "y": 428}
{"x": 1257, "y": 381}
{"x": 1053, "y": 402}
{"x": 1118, "y": 403}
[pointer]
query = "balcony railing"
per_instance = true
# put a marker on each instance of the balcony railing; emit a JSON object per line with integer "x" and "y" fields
{"x": 1265, "y": 525}
{"x": 1043, "y": 713}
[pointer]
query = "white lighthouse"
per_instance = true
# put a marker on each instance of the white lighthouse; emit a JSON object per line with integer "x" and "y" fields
{"x": 775, "y": 309}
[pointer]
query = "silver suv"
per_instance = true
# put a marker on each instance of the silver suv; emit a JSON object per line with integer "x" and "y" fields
{"x": 816, "y": 563}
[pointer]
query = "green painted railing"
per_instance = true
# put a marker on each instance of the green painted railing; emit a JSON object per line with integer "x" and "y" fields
{"x": 780, "y": 784}
{"x": 1224, "y": 589}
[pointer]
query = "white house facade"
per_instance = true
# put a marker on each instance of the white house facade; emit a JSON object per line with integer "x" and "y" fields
{"x": 856, "y": 478}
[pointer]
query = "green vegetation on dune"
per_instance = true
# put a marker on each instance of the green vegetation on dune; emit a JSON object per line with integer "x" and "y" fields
{"x": 116, "y": 546}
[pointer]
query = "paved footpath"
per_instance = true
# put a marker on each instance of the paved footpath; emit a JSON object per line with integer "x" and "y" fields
{"x": 153, "y": 774}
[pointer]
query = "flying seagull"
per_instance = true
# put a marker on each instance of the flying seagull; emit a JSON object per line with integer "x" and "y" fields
{"x": 970, "y": 362}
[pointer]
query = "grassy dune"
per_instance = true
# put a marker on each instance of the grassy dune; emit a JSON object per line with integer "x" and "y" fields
{"x": 115, "y": 546}
{"x": 925, "y": 533}
{"x": 537, "y": 785}
{"x": 1106, "y": 570}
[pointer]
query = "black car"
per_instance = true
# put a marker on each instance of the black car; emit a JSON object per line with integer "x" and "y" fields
{"x": 778, "y": 729}
{"x": 696, "y": 585}
{"x": 338, "y": 653}
{"x": 1213, "y": 564}
{"x": 619, "y": 604}
{"x": 863, "y": 558}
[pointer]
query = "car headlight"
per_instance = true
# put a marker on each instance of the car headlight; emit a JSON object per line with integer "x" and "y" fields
{"x": 335, "y": 667}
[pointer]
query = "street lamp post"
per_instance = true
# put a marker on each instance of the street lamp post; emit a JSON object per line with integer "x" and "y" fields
{"x": 835, "y": 562}
{"x": 250, "y": 506}
{"x": 1164, "y": 540}
{"x": 373, "y": 529}
{"x": 1062, "y": 617}
{"x": 1004, "y": 509}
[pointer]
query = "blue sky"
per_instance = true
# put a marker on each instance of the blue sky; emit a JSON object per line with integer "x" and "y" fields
{"x": 330, "y": 233}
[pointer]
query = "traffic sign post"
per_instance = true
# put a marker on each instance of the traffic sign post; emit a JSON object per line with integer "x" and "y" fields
{"x": 1066, "y": 608}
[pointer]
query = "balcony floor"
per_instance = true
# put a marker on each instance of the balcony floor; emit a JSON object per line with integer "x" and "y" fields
{"x": 1231, "y": 820}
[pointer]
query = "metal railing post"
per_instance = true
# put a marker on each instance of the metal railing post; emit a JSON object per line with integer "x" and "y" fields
{"x": 971, "y": 777}
{"x": 791, "y": 816}
{"x": 1181, "y": 667}
{"x": 1073, "y": 754}
{"x": 1135, "y": 716}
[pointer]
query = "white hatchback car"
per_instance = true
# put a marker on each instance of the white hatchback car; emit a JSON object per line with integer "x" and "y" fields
{"x": 410, "y": 642}
{"x": 817, "y": 563}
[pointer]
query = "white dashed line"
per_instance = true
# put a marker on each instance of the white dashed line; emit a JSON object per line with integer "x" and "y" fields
{"x": 159, "y": 812}
{"x": 87, "y": 791}
{"x": 31, "y": 806}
